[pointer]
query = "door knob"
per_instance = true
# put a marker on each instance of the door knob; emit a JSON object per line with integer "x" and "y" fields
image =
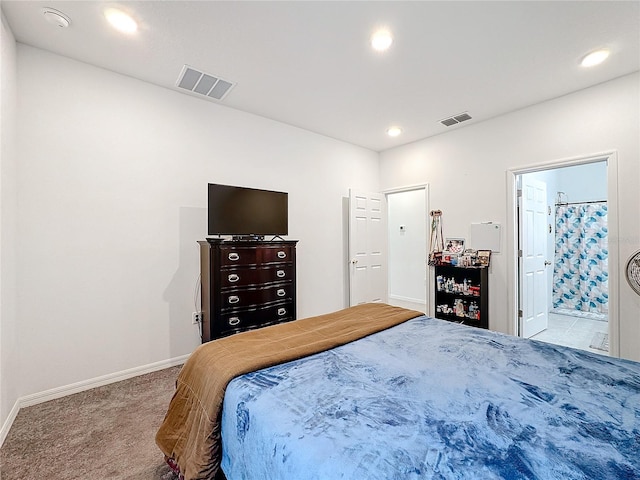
{"x": 547, "y": 262}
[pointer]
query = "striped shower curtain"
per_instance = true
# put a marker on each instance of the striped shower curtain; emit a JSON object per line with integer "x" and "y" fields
{"x": 580, "y": 276}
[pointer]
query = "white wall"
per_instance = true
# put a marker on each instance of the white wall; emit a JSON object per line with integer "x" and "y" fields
{"x": 583, "y": 183}
{"x": 466, "y": 169}
{"x": 9, "y": 375}
{"x": 112, "y": 190}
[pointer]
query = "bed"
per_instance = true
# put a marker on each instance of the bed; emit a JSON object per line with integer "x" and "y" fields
{"x": 399, "y": 395}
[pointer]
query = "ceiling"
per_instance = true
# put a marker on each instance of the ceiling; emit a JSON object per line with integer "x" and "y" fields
{"x": 310, "y": 64}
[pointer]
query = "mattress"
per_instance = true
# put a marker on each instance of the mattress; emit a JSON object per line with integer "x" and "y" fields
{"x": 436, "y": 400}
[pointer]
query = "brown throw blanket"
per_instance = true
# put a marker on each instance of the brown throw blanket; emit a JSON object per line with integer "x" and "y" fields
{"x": 190, "y": 433}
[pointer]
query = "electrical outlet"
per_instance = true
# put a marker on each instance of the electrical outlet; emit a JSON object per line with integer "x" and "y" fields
{"x": 196, "y": 317}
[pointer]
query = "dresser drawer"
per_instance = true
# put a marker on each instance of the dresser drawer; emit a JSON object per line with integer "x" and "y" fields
{"x": 243, "y": 277}
{"x": 278, "y": 254}
{"x": 246, "y": 297}
{"x": 255, "y": 256}
{"x": 255, "y": 317}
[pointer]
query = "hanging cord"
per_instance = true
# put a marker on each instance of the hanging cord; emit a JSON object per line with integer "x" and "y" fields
{"x": 197, "y": 304}
{"x": 436, "y": 240}
{"x": 196, "y": 295}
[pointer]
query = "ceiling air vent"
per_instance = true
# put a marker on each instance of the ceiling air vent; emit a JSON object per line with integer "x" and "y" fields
{"x": 461, "y": 117}
{"x": 202, "y": 83}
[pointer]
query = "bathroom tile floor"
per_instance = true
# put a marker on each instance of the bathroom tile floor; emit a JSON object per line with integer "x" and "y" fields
{"x": 573, "y": 332}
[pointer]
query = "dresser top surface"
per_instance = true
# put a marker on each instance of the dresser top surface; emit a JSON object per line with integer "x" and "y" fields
{"x": 246, "y": 243}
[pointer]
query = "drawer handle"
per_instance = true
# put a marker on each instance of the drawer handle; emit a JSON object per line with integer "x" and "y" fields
{"x": 282, "y": 254}
{"x": 282, "y": 311}
{"x": 280, "y": 274}
{"x": 234, "y": 299}
{"x": 234, "y": 277}
{"x": 233, "y": 256}
{"x": 281, "y": 292}
{"x": 233, "y": 321}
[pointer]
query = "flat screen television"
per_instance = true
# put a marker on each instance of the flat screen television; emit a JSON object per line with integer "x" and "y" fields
{"x": 245, "y": 212}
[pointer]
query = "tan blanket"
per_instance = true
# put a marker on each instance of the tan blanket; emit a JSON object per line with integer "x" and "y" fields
{"x": 190, "y": 433}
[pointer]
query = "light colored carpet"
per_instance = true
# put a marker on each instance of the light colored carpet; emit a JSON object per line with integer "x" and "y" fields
{"x": 103, "y": 433}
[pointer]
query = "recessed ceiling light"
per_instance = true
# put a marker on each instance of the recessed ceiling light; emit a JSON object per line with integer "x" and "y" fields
{"x": 595, "y": 58}
{"x": 381, "y": 40}
{"x": 394, "y": 131}
{"x": 120, "y": 20}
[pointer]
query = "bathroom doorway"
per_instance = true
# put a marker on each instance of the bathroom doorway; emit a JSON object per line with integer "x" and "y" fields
{"x": 572, "y": 291}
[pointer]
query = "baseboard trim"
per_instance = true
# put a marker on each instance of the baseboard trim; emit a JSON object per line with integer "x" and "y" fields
{"x": 406, "y": 299}
{"x": 59, "y": 392}
{"x": 9, "y": 421}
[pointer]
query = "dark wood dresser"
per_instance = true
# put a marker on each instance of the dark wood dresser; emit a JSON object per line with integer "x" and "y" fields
{"x": 246, "y": 284}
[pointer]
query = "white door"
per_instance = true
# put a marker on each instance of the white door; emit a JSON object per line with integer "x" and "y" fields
{"x": 533, "y": 261}
{"x": 367, "y": 247}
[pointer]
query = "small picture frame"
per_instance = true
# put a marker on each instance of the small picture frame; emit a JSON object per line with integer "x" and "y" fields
{"x": 454, "y": 245}
{"x": 449, "y": 258}
{"x": 435, "y": 258}
{"x": 468, "y": 258}
{"x": 484, "y": 257}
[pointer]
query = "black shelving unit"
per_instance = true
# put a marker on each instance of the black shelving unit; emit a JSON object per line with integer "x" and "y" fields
{"x": 462, "y": 295}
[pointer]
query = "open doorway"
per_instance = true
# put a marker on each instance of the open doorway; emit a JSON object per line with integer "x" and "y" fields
{"x": 563, "y": 250}
{"x": 407, "y": 247}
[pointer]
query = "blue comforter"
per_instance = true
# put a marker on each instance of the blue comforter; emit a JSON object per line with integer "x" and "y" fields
{"x": 431, "y": 399}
